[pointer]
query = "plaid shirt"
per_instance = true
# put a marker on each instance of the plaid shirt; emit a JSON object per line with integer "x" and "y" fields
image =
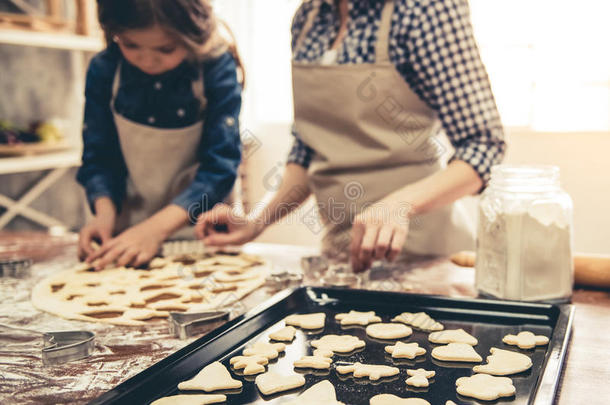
{"x": 433, "y": 48}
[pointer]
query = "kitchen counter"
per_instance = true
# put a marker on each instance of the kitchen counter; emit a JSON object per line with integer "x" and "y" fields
{"x": 122, "y": 352}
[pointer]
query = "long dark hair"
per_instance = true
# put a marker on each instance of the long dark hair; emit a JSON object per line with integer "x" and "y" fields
{"x": 192, "y": 22}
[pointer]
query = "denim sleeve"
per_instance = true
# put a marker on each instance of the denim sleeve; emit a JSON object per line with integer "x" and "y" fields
{"x": 220, "y": 148}
{"x": 103, "y": 172}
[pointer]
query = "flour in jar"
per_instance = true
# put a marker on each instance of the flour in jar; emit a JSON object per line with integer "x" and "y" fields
{"x": 524, "y": 254}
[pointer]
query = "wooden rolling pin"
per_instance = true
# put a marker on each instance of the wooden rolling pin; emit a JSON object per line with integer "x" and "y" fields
{"x": 589, "y": 269}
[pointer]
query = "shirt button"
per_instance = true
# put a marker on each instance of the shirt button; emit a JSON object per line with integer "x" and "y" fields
{"x": 230, "y": 121}
{"x": 158, "y": 85}
{"x": 180, "y": 112}
{"x": 151, "y": 120}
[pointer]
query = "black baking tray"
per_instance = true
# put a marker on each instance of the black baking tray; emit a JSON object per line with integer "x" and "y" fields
{"x": 488, "y": 320}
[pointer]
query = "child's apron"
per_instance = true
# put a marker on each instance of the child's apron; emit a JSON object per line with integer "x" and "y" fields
{"x": 161, "y": 162}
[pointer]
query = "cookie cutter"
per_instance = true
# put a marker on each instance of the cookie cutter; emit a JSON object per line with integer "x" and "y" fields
{"x": 62, "y": 347}
{"x": 17, "y": 268}
{"x": 341, "y": 276}
{"x": 186, "y": 324}
{"x": 283, "y": 280}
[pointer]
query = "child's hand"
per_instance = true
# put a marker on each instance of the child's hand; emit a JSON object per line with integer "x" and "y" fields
{"x": 99, "y": 230}
{"x": 222, "y": 226}
{"x": 134, "y": 247}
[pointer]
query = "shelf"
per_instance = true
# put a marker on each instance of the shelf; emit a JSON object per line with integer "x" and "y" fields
{"x": 51, "y": 40}
{"x": 43, "y": 161}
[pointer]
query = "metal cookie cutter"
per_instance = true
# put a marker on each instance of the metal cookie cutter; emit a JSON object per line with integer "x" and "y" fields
{"x": 62, "y": 347}
{"x": 284, "y": 279}
{"x": 17, "y": 268}
{"x": 341, "y": 276}
{"x": 184, "y": 325}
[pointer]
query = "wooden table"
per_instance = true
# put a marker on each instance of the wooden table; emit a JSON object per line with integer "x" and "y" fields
{"x": 122, "y": 352}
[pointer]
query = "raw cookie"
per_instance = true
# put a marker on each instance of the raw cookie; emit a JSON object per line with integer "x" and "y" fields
{"x": 388, "y": 330}
{"x": 456, "y": 352}
{"x": 283, "y": 335}
{"x": 405, "y": 350}
{"x": 322, "y": 393}
{"x": 485, "y": 387}
{"x": 270, "y": 382}
{"x": 338, "y": 343}
{"x": 201, "y": 399}
{"x": 268, "y": 350}
{"x": 373, "y": 371}
{"x": 307, "y": 321}
{"x": 357, "y": 318}
{"x": 212, "y": 377}
{"x": 526, "y": 340}
{"x": 420, "y": 320}
{"x": 316, "y": 362}
{"x": 251, "y": 364}
{"x": 389, "y": 399}
{"x": 504, "y": 362}
{"x": 450, "y": 403}
{"x": 323, "y": 353}
{"x": 453, "y": 336}
{"x": 419, "y": 378}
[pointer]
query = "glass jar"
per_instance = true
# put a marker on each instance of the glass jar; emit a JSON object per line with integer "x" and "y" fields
{"x": 524, "y": 237}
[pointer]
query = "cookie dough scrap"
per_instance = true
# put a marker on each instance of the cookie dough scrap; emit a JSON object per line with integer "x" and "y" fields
{"x": 285, "y": 334}
{"x": 388, "y": 331}
{"x": 315, "y": 362}
{"x": 212, "y": 377}
{"x": 453, "y": 336}
{"x": 389, "y": 399}
{"x": 419, "y": 378}
{"x": 419, "y": 320}
{"x": 485, "y": 387}
{"x": 307, "y": 321}
{"x": 357, "y": 318}
{"x": 322, "y": 393}
{"x": 456, "y": 352}
{"x": 373, "y": 371}
{"x": 504, "y": 362}
{"x": 268, "y": 350}
{"x": 526, "y": 340}
{"x": 405, "y": 350}
{"x": 271, "y": 382}
{"x": 250, "y": 364}
{"x": 202, "y": 399}
{"x": 338, "y": 343}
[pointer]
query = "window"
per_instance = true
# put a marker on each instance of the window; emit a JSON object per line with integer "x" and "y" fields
{"x": 548, "y": 60}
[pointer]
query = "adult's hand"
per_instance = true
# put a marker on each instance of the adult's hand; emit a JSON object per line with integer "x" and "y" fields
{"x": 379, "y": 232}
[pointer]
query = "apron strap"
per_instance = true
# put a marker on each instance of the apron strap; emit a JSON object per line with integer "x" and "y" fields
{"x": 308, "y": 25}
{"x": 382, "y": 53}
{"x": 199, "y": 92}
{"x": 116, "y": 83}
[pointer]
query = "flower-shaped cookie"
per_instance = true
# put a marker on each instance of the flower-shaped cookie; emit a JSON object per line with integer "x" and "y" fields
{"x": 338, "y": 343}
{"x": 485, "y": 387}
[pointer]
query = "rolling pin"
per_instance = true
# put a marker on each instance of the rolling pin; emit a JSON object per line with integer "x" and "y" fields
{"x": 590, "y": 270}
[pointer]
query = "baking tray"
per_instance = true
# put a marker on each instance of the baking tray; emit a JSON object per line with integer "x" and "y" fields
{"x": 487, "y": 320}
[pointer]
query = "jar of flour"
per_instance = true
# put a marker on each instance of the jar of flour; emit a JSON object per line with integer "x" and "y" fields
{"x": 524, "y": 239}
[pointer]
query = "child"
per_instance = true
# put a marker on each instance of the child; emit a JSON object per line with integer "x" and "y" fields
{"x": 161, "y": 135}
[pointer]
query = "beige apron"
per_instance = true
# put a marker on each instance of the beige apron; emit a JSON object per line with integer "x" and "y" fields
{"x": 161, "y": 162}
{"x": 372, "y": 135}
